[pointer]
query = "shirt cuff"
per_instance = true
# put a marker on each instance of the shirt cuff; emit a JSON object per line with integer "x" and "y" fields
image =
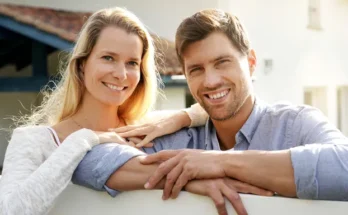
{"x": 111, "y": 192}
{"x": 109, "y": 163}
{"x": 304, "y": 161}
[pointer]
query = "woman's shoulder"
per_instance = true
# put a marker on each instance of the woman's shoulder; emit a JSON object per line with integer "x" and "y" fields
{"x": 32, "y": 139}
{"x": 35, "y": 131}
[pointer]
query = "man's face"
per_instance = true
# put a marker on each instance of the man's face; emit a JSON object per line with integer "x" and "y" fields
{"x": 218, "y": 75}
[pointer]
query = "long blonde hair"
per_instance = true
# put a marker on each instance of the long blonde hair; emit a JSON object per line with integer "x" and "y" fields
{"x": 64, "y": 100}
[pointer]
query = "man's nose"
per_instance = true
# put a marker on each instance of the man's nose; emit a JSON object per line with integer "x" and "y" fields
{"x": 212, "y": 79}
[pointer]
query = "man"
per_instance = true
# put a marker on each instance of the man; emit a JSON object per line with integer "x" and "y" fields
{"x": 218, "y": 62}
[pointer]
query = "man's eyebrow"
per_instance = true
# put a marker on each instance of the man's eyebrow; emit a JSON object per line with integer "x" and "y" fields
{"x": 220, "y": 58}
{"x": 193, "y": 66}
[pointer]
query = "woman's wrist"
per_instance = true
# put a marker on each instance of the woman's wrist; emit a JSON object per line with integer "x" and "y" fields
{"x": 197, "y": 115}
{"x": 184, "y": 119}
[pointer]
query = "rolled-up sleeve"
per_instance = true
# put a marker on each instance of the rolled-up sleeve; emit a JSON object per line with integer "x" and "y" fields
{"x": 102, "y": 161}
{"x": 321, "y": 171}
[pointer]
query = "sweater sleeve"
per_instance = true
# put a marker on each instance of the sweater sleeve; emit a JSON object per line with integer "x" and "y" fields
{"x": 196, "y": 113}
{"x": 31, "y": 182}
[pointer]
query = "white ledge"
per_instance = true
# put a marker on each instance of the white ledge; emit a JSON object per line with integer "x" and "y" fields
{"x": 77, "y": 200}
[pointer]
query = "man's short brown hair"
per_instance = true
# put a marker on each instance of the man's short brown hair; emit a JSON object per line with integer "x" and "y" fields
{"x": 198, "y": 26}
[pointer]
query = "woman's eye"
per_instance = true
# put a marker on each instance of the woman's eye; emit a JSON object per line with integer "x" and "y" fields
{"x": 133, "y": 63}
{"x": 108, "y": 58}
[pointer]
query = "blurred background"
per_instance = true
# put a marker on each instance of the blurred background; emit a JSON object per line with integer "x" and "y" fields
{"x": 301, "y": 47}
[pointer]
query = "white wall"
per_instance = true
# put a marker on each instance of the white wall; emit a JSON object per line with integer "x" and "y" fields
{"x": 174, "y": 99}
{"x": 150, "y": 202}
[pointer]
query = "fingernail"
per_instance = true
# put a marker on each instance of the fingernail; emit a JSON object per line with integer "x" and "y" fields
{"x": 147, "y": 185}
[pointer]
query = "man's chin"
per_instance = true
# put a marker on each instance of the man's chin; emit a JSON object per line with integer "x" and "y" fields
{"x": 220, "y": 116}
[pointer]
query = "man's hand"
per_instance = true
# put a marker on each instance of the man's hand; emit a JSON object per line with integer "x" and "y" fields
{"x": 180, "y": 166}
{"x": 217, "y": 189}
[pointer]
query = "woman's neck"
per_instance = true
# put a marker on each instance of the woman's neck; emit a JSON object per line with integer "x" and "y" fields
{"x": 96, "y": 116}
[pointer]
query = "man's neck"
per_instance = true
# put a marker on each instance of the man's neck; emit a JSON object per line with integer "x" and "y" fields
{"x": 95, "y": 115}
{"x": 226, "y": 130}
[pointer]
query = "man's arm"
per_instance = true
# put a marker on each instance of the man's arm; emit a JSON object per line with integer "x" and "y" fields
{"x": 118, "y": 166}
{"x": 315, "y": 171}
{"x": 295, "y": 172}
{"x": 271, "y": 170}
{"x": 132, "y": 176}
{"x": 321, "y": 171}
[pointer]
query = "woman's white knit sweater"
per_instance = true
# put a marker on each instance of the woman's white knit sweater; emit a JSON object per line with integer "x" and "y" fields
{"x": 36, "y": 170}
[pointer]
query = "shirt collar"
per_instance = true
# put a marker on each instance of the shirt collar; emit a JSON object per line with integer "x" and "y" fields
{"x": 253, "y": 121}
{"x": 248, "y": 129}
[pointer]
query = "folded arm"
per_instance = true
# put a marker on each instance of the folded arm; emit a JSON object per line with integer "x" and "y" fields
{"x": 314, "y": 171}
{"x": 305, "y": 171}
{"x": 31, "y": 183}
{"x": 132, "y": 176}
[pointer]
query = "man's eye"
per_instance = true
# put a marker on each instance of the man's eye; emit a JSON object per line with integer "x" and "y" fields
{"x": 221, "y": 62}
{"x": 195, "y": 69}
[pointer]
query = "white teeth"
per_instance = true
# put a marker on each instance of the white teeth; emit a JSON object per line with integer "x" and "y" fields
{"x": 113, "y": 87}
{"x": 218, "y": 95}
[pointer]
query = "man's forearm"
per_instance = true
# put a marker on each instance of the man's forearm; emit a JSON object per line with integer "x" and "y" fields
{"x": 132, "y": 176}
{"x": 271, "y": 170}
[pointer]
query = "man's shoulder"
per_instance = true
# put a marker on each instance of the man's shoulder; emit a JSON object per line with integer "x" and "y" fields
{"x": 286, "y": 110}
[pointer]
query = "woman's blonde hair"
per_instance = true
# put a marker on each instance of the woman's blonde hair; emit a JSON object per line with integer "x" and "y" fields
{"x": 64, "y": 100}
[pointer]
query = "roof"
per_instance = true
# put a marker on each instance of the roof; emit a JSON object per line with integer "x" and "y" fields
{"x": 67, "y": 24}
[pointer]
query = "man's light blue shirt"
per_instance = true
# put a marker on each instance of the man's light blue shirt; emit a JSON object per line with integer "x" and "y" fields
{"x": 321, "y": 171}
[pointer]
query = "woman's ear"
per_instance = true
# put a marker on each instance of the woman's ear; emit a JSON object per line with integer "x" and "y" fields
{"x": 81, "y": 70}
{"x": 82, "y": 67}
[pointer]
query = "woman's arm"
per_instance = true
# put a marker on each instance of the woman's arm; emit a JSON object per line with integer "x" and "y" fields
{"x": 30, "y": 182}
{"x": 160, "y": 123}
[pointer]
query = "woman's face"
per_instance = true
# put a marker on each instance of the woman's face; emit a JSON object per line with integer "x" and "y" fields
{"x": 112, "y": 70}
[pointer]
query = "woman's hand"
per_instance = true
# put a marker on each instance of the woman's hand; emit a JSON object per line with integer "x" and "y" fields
{"x": 112, "y": 137}
{"x": 156, "y": 128}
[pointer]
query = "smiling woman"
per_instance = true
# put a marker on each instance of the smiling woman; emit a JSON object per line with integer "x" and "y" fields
{"x": 110, "y": 81}
{"x": 112, "y": 70}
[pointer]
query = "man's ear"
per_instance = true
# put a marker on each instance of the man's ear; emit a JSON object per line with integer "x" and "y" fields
{"x": 252, "y": 61}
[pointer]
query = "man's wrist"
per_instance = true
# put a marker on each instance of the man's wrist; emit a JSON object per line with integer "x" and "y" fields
{"x": 231, "y": 163}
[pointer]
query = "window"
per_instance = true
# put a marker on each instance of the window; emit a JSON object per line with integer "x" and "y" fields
{"x": 342, "y": 109}
{"x": 316, "y": 97}
{"x": 314, "y": 14}
{"x": 189, "y": 100}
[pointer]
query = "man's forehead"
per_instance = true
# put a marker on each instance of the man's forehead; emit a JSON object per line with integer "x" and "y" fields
{"x": 202, "y": 58}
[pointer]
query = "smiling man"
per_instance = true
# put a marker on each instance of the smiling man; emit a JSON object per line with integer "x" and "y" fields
{"x": 218, "y": 62}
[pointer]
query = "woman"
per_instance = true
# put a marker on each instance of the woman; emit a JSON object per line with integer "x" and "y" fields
{"x": 110, "y": 81}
